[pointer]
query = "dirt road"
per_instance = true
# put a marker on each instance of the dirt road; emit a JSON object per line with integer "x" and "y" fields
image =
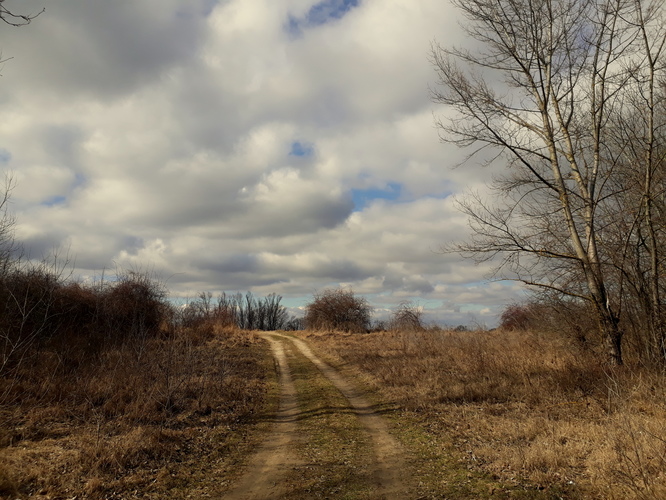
{"x": 277, "y": 468}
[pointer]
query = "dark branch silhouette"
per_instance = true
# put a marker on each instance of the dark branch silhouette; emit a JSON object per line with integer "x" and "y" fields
{"x": 13, "y": 19}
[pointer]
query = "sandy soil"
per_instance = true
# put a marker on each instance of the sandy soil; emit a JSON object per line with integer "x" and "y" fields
{"x": 267, "y": 471}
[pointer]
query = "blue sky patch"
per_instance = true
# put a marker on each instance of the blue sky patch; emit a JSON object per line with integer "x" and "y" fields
{"x": 5, "y": 155}
{"x": 301, "y": 149}
{"x": 363, "y": 197}
{"x": 321, "y": 13}
{"x": 54, "y": 200}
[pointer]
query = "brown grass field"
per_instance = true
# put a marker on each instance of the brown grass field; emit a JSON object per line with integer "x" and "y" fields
{"x": 521, "y": 408}
{"x": 161, "y": 418}
{"x": 173, "y": 417}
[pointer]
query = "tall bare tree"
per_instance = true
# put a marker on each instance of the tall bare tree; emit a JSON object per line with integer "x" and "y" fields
{"x": 643, "y": 140}
{"x": 545, "y": 86}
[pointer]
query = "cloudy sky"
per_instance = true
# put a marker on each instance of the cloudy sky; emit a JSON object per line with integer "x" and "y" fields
{"x": 267, "y": 145}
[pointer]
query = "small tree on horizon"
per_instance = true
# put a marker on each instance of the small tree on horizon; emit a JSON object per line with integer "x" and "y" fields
{"x": 338, "y": 309}
{"x": 407, "y": 316}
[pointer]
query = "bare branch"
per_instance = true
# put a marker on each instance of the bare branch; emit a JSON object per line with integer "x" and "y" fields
{"x": 13, "y": 19}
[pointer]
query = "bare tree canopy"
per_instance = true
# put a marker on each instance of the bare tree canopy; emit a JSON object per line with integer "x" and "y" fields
{"x": 569, "y": 94}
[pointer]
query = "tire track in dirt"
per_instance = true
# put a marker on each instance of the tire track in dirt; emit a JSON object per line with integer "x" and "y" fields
{"x": 269, "y": 467}
{"x": 268, "y": 470}
{"x": 389, "y": 467}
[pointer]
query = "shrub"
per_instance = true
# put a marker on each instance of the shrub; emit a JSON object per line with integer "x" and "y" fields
{"x": 134, "y": 306}
{"x": 40, "y": 309}
{"x": 516, "y": 317}
{"x": 571, "y": 320}
{"x": 338, "y": 309}
{"x": 407, "y": 316}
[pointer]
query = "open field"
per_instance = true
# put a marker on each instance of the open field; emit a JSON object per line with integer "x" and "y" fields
{"x": 156, "y": 419}
{"x": 519, "y": 408}
{"x": 474, "y": 415}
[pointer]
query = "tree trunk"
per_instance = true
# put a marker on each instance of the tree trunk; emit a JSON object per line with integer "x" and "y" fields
{"x": 612, "y": 334}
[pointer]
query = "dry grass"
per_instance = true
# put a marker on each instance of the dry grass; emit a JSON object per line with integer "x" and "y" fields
{"x": 141, "y": 418}
{"x": 523, "y": 408}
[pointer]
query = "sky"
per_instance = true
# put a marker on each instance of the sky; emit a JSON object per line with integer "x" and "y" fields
{"x": 272, "y": 146}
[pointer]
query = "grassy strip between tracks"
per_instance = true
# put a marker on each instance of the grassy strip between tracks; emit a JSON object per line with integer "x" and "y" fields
{"x": 337, "y": 451}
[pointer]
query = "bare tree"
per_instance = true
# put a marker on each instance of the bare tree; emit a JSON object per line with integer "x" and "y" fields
{"x": 644, "y": 145}
{"x": 276, "y": 315}
{"x": 8, "y": 246}
{"x": 551, "y": 78}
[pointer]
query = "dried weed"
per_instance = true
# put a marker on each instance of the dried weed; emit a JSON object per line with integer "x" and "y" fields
{"x": 112, "y": 425}
{"x": 523, "y": 407}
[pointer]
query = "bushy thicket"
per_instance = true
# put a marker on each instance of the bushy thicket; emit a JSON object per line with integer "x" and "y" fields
{"x": 407, "y": 317}
{"x": 569, "y": 319}
{"x": 111, "y": 370}
{"x": 338, "y": 309}
{"x": 42, "y": 310}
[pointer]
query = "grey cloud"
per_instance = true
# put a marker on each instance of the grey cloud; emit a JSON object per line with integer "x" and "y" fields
{"x": 419, "y": 285}
{"x": 230, "y": 264}
{"x": 339, "y": 270}
{"x": 62, "y": 143}
{"x": 221, "y": 282}
{"x": 41, "y": 246}
{"x": 106, "y": 48}
{"x": 132, "y": 244}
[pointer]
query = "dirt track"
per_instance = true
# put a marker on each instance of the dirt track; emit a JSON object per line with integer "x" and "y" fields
{"x": 268, "y": 472}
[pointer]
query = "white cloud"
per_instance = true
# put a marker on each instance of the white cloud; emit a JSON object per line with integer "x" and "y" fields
{"x": 162, "y": 135}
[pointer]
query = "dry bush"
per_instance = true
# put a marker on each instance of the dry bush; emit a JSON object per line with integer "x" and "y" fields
{"x": 134, "y": 306}
{"x": 524, "y": 407}
{"x": 338, "y": 310}
{"x": 568, "y": 319}
{"x": 517, "y": 317}
{"x": 27, "y": 317}
{"x": 204, "y": 313}
{"x": 407, "y": 317}
{"x": 42, "y": 312}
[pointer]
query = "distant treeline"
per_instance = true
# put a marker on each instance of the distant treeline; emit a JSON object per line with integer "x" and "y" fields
{"x": 244, "y": 311}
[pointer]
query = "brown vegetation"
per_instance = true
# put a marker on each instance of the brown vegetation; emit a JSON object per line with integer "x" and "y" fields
{"x": 245, "y": 312}
{"x": 105, "y": 393}
{"x": 338, "y": 309}
{"x": 522, "y": 407}
{"x": 407, "y": 317}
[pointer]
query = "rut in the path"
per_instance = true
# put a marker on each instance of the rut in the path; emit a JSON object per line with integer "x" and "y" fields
{"x": 389, "y": 466}
{"x": 265, "y": 478}
{"x": 268, "y": 469}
